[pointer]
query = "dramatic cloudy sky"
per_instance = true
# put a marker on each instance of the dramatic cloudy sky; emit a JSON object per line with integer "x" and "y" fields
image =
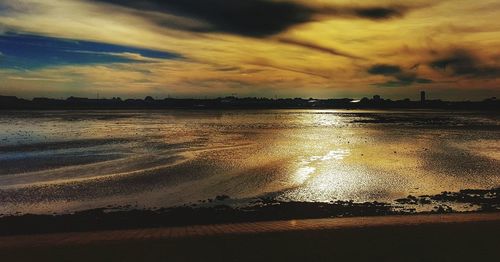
{"x": 288, "y": 48}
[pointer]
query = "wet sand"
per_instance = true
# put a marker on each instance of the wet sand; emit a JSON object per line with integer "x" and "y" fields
{"x": 439, "y": 237}
{"x": 70, "y": 161}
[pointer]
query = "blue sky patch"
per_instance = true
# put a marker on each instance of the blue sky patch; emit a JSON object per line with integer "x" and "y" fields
{"x": 20, "y": 51}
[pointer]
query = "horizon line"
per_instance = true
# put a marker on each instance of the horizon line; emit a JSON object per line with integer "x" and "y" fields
{"x": 156, "y": 98}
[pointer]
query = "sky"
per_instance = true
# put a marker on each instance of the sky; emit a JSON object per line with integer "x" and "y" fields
{"x": 262, "y": 48}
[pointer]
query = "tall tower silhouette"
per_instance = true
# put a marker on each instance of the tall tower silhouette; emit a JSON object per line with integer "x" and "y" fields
{"x": 422, "y": 96}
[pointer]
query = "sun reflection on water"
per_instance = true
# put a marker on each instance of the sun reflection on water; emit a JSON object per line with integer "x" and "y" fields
{"x": 307, "y": 167}
{"x": 303, "y": 173}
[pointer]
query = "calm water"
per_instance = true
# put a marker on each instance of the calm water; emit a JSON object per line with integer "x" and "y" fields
{"x": 67, "y": 161}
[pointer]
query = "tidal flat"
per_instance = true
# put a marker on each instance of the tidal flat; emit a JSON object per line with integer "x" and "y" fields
{"x": 65, "y": 162}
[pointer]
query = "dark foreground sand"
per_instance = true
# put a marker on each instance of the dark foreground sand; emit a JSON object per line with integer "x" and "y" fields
{"x": 451, "y": 237}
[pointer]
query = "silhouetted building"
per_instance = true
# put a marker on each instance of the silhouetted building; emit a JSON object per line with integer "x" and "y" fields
{"x": 376, "y": 98}
{"x": 422, "y": 96}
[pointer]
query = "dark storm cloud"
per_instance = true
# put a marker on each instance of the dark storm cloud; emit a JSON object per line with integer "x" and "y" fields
{"x": 382, "y": 69}
{"x": 461, "y": 62}
{"x": 400, "y": 76}
{"x": 246, "y": 17}
{"x": 255, "y": 18}
{"x": 380, "y": 12}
